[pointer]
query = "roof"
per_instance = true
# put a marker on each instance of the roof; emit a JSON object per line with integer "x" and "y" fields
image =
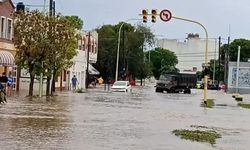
{"x": 2, "y": 1}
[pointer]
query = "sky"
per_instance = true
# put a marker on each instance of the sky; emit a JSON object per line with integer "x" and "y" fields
{"x": 220, "y": 17}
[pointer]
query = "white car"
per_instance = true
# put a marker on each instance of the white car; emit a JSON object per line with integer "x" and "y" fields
{"x": 121, "y": 86}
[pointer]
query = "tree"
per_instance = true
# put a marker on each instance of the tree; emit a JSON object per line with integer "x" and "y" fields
{"x": 245, "y": 50}
{"x": 107, "y": 45}
{"x": 31, "y": 42}
{"x": 163, "y": 61}
{"x": 63, "y": 43}
{"x": 131, "y": 55}
{"x": 75, "y": 21}
{"x": 45, "y": 44}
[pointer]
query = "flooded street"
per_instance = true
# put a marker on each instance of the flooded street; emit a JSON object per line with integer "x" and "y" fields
{"x": 141, "y": 120}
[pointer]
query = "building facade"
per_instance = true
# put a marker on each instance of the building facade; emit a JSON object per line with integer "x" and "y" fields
{"x": 7, "y": 49}
{"x": 87, "y": 55}
{"x": 191, "y": 51}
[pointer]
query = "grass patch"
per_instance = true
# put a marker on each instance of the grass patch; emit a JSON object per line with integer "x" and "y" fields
{"x": 244, "y": 105}
{"x": 197, "y": 135}
{"x": 210, "y": 103}
{"x": 239, "y": 98}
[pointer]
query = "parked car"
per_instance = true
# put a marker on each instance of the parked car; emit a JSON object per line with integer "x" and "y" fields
{"x": 121, "y": 86}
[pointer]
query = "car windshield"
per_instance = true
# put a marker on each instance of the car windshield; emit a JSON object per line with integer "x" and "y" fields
{"x": 120, "y": 83}
{"x": 165, "y": 77}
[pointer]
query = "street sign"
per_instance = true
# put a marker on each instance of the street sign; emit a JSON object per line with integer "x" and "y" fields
{"x": 165, "y": 15}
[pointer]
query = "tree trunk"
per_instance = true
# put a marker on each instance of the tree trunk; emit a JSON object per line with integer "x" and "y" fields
{"x": 31, "y": 84}
{"x": 53, "y": 86}
{"x": 48, "y": 86}
{"x": 141, "y": 81}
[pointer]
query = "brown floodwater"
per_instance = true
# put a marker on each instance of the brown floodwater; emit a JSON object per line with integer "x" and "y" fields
{"x": 100, "y": 120}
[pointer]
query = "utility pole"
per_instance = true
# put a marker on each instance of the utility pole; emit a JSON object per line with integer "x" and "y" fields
{"x": 87, "y": 63}
{"x": 123, "y": 45}
{"x": 50, "y": 7}
{"x": 54, "y": 8}
{"x": 237, "y": 73}
{"x": 226, "y": 63}
{"x": 219, "y": 52}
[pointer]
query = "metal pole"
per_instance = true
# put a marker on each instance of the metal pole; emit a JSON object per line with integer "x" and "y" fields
{"x": 118, "y": 47}
{"x": 237, "y": 73}
{"x": 219, "y": 51}
{"x": 41, "y": 84}
{"x": 50, "y": 7}
{"x": 214, "y": 62}
{"x": 54, "y": 8}
{"x": 87, "y": 62}
{"x": 206, "y": 53}
{"x": 44, "y": 6}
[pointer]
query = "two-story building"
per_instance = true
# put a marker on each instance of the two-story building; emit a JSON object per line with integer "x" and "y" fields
{"x": 87, "y": 55}
{"x": 7, "y": 49}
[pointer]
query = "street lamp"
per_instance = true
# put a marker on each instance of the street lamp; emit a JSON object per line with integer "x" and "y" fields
{"x": 206, "y": 53}
{"x": 118, "y": 47}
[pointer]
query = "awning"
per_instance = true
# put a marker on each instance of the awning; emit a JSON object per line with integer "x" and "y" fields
{"x": 6, "y": 58}
{"x": 93, "y": 71}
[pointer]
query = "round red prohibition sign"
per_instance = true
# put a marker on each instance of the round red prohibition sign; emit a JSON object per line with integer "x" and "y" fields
{"x": 165, "y": 15}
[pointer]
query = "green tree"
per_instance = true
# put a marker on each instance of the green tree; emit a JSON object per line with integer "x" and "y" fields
{"x": 131, "y": 52}
{"x": 31, "y": 42}
{"x": 107, "y": 45}
{"x": 75, "y": 21}
{"x": 214, "y": 69}
{"x": 63, "y": 43}
{"x": 163, "y": 61}
{"x": 45, "y": 44}
{"x": 245, "y": 50}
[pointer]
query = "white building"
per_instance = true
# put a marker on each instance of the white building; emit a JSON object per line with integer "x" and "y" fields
{"x": 191, "y": 51}
{"x": 80, "y": 60}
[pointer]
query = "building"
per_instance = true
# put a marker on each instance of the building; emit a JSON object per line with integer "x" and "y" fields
{"x": 86, "y": 53}
{"x": 190, "y": 52}
{"x": 7, "y": 49}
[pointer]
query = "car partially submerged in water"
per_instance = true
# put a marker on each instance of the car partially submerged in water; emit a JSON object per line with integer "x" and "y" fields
{"x": 121, "y": 86}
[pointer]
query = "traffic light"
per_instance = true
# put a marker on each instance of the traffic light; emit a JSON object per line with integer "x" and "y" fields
{"x": 145, "y": 15}
{"x": 154, "y": 15}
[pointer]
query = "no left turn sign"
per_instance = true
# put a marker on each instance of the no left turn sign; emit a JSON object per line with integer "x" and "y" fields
{"x": 165, "y": 15}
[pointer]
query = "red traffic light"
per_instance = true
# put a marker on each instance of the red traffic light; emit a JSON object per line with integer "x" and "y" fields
{"x": 144, "y": 15}
{"x": 154, "y": 15}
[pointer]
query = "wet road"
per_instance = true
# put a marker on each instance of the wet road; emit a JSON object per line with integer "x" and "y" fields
{"x": 142, "y": 120}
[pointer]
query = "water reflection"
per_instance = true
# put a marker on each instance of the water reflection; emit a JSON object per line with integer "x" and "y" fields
{"x": 100, "y": 120}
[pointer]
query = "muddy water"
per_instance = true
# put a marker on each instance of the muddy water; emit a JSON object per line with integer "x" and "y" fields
{"x": 142, "y": 120}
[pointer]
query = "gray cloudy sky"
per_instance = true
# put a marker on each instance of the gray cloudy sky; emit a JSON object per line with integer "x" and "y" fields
{"x": 218, "y": 16}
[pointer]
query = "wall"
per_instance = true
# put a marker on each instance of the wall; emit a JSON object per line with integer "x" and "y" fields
{"x": 244, "y": 77}
{"x": 190, "y": 52}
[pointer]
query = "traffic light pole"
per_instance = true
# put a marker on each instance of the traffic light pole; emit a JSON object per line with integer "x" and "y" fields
{"x": 118, "y": 46}
{"x": 206, "y": 53}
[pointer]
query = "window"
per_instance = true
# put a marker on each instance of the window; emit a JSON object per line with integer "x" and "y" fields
{"x": 9, "y": 29}
{"x": 2, "y": 25}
